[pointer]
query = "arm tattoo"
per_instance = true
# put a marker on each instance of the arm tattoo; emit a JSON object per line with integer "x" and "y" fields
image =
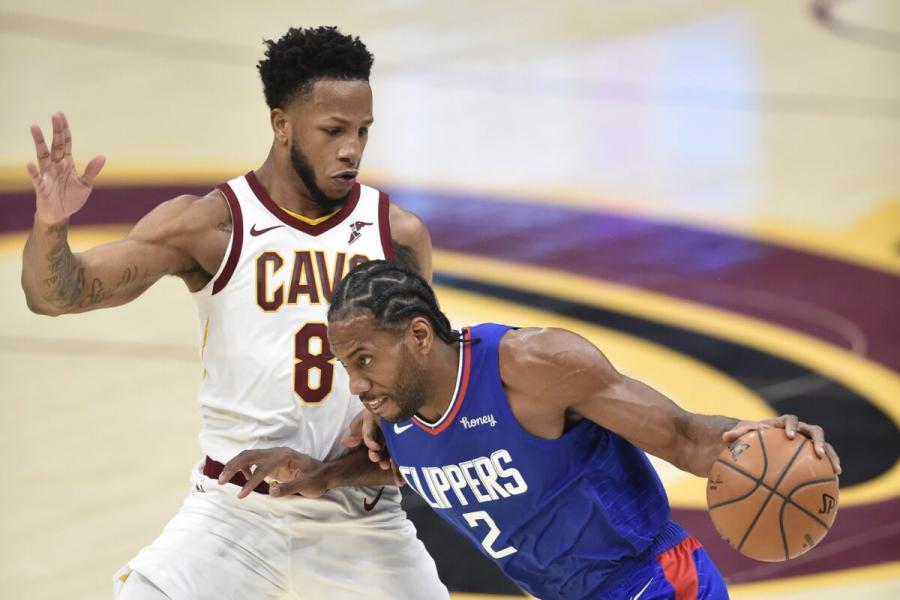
{"x": 98, "y": 294}
{"x": 405, "y": 256}
{"x": 66, "y": 277}
{"x": 128, "y": 276}
{"x": 226, "y": 226}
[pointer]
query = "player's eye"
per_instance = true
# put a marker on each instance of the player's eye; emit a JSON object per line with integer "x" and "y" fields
{"x": 364, "y": 361}
{"x": 363, "y": 131}
{"x": 332, "y": 130}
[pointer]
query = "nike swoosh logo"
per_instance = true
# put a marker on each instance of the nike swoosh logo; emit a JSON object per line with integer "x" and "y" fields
{"x": 255, "y": 232}
{"x": 398, "y": 430}
{"x": 643, "y": 589}
{"x": 368, "y": 506}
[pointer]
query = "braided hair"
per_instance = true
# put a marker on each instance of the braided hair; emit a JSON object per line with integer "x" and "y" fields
{"x": 393, "y": 293}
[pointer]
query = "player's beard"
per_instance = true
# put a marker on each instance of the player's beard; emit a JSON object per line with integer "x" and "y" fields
{"x": 305, "y": 173}
{"x": 410, "y": 388}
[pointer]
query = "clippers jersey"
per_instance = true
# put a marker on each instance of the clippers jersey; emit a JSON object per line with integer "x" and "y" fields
{"x": 269, "y": 378}
{"x": 564, "y": 518}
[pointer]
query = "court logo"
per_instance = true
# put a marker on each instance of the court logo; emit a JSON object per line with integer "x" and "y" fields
{"x": 354, "y": 230}
{"x": 488, "y": 419}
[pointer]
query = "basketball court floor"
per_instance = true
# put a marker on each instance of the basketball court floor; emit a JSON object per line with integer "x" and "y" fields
{"x": 709, "y": 191}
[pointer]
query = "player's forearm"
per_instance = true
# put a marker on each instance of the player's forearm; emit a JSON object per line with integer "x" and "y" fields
{"x": 356, "y": 469}
{"x": 703, "y": 441}
{"x": 51, "y": 276}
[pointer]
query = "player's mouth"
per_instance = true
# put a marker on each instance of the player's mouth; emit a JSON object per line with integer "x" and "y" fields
{"x": 375, "y": 403}
{"x": 346, "y": 178}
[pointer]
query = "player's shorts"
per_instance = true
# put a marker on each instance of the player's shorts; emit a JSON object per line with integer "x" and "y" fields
{"x": 683, "y": 572}
{"x": 219, "y": 547}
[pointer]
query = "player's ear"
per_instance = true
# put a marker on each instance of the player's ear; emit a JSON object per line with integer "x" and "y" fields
{"x": 421, "y": 332}
{"x": 281, "y": 125}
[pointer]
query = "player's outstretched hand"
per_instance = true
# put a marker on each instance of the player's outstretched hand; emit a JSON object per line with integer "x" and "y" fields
{"x": 791, "y": 425}
{"x": 60, "y": 190}
{"x": 289, "y": 472}
{"x": 364, "y": 429}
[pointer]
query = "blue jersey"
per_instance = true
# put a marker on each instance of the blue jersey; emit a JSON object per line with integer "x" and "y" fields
{"x": 564, "y": 518}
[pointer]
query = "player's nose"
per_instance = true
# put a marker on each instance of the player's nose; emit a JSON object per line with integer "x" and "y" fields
{"x": 350, "y": 151}
{"x": 358, "y": 384}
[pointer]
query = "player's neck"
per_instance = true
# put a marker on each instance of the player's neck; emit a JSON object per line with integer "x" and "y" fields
{"x": 442, "y": 381}
{"x": 287, "y": 190}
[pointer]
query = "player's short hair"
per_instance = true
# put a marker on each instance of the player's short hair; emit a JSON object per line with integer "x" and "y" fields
{"x": 303, "y": 56}
{"x": 393, "y": 294}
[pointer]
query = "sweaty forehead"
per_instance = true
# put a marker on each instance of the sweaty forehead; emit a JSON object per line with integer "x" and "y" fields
{"x": 348, "y": 333}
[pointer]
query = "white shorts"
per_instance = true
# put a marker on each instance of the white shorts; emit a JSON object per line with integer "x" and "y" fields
{"x": 219, "y": 547}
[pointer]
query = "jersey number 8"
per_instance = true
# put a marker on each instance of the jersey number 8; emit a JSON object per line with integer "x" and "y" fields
{"x": 314, "y": 366}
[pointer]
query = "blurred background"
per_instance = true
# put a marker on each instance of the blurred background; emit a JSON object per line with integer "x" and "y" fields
{"x": 709, "y": 191}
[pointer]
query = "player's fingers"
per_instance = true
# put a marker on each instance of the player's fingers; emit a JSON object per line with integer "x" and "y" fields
{"x": 371, "y": 432}
{"x": 40, "y": 147}
{"x": 93, "y": 169}
{"x": 351, "y": 441}
{"x": 66, "y": 135}
{"x": 790, "y": 423}
{"x": 834, "y": 458}
{"x": 259, "y": 474}
{"x": 57, "y": 147}
{"x": 241, "y": 462}
{"x": 816, "y": 434}
{"x": 34, "y": 174}
{"x": 737, "y": 431}
{"x": 395, "y": 471}
{"x": 296, "y": 485}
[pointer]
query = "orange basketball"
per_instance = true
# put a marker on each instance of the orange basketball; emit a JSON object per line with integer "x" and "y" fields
{"x": 771, "y": 497}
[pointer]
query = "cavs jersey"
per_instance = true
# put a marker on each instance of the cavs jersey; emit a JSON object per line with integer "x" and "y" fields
{"x": 565, "y": 518}
{"x": 269, "y": 378}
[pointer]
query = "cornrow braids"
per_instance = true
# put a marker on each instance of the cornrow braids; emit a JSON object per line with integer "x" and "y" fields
{"x": 393, "y": 293}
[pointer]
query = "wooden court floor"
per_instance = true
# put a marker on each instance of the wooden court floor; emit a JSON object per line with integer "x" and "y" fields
{"x": 649, "y": 174}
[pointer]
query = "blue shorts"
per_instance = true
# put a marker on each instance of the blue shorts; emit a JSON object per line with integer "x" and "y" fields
{"x": 683, "y": 572}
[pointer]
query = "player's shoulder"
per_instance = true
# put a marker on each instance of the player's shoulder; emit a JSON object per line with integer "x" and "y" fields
{"x": 184, "y": 215}
{"x": 531, "y": 354}
{"x": 405, "y": 225}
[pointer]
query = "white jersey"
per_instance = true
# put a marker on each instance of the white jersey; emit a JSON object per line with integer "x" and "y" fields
{"x": 269, "y": 378}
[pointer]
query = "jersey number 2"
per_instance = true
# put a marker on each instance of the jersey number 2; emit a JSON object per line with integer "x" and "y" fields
{"x": 493, "y": 533}
{"x": 313, "y": 369}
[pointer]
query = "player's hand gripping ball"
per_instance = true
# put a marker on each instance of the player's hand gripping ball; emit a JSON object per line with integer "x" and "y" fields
{"x": 771, "y": 497}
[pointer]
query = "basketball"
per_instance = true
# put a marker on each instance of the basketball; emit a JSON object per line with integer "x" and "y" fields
{"x": 771, "y": 497}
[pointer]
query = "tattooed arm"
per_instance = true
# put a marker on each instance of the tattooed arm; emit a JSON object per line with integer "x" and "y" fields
{"x": 185, "y": 236}
{"x": 411, "y": 242}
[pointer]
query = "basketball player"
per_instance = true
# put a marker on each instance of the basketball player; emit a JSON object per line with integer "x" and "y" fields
{"x": 528, "y": 441}
{"x": 261, "y": 255}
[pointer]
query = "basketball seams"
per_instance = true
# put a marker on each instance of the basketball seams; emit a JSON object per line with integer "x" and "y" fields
{"x": 758, "y": 483}
{"x": 789, "y": 501}
{"x": 774, "y": 487}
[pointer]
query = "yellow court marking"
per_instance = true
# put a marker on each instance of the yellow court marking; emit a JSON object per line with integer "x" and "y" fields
{"x": 846, "y": 580}
{"x": 693, "y": 384}
{"x": 849, "y": 579}
{"x": 878, "y": 384}
{"x": 853, "y": 244}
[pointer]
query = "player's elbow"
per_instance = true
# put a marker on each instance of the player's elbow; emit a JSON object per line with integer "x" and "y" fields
{"x": 39, "y": 305}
